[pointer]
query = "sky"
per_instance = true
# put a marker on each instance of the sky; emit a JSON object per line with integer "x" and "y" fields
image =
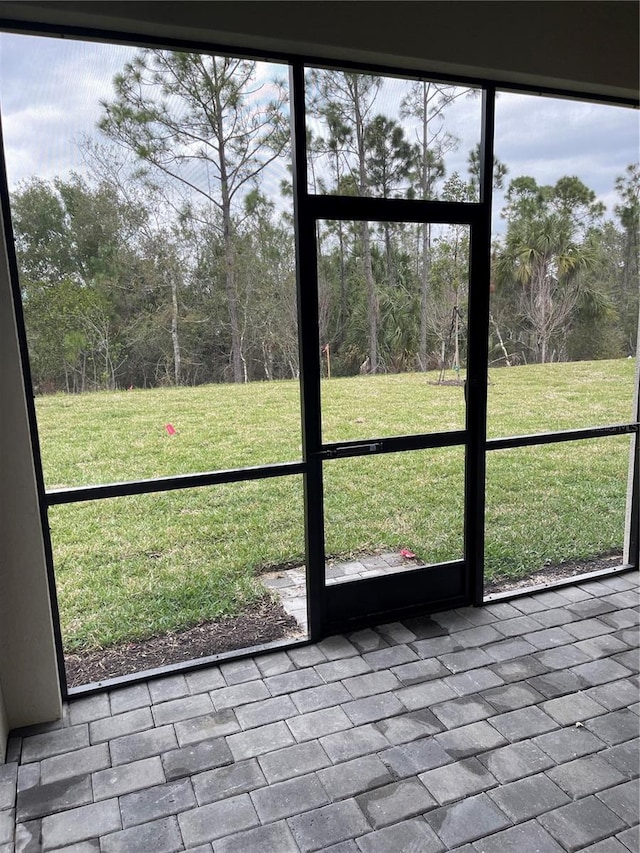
{"x": 50, "y": 93}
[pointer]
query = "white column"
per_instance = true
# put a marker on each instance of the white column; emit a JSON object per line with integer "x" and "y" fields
{"x": 29, "y": 687}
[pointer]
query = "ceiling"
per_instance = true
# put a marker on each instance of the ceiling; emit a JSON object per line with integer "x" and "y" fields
{"x": 588, "y": 46}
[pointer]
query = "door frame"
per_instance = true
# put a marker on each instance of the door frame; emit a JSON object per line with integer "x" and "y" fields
{"x": 459, "y": 583}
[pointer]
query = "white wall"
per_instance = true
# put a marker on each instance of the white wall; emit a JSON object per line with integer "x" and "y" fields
{"x": 28, "y": 676}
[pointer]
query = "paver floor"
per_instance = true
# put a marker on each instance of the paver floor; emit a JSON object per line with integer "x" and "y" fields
{"x": 509, "y": 727}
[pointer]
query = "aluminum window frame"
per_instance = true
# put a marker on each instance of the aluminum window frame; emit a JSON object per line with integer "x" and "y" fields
{"x": 307, "y": 209}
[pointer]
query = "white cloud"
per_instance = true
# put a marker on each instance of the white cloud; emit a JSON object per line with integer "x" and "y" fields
{"x": 51, "y": 91}
{"x": 548, "y": 138}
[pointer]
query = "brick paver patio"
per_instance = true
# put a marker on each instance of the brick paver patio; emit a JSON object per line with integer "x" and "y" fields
{"x": 512, "y": 727}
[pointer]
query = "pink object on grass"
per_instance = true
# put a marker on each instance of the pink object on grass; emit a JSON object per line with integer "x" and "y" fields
{"x": 405, "y": 552}
{"x": 171, "y": 430}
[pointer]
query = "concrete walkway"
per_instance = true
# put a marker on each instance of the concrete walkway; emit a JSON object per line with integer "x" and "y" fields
{"x": 290, "y": 585}
{"x": 512, "y": 727}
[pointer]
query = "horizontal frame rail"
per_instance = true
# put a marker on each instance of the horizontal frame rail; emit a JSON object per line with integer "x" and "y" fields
{"x": 393, "y": 444}
{"x": 561, "y": 583}
{"x": 565, "y": 435}
{"x": 76, "y": 494}
{"x": 359, "y": 447}
{"x": 180, "y": 667}
{"x": 366, "y": 208}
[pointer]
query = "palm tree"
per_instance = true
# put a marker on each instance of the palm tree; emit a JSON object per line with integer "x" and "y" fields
{"x": 545, "y": 261}
{"x": 545, "y": 252}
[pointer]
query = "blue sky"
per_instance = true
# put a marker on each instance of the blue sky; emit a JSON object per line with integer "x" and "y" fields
{"x": 51, "y": 89}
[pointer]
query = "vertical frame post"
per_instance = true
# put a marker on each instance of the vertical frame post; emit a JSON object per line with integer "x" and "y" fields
{"x": 632, "y": 522}
{"x": 632, "y": 545}
{"x": 309, "y": 343}
{"x": 479, "y": 295}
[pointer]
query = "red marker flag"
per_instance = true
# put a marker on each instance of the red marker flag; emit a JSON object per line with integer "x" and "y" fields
{"x": 171, "y": 430}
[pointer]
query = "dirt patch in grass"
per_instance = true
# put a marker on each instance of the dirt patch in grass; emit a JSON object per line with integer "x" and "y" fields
{"x": 552, "y": 574}
{"x": 265, "y": 624}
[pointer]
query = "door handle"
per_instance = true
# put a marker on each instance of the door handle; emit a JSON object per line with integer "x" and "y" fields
{"x": 353, "y": 449}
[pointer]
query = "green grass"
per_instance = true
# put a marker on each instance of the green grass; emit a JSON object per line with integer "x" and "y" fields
{"x": 131, "y": 567}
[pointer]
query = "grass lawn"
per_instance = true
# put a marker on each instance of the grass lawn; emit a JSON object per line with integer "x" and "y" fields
{"x": 132, "y": 567}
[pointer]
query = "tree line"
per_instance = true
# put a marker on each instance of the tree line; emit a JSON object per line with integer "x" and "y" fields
{"x": 171, "y": 260}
